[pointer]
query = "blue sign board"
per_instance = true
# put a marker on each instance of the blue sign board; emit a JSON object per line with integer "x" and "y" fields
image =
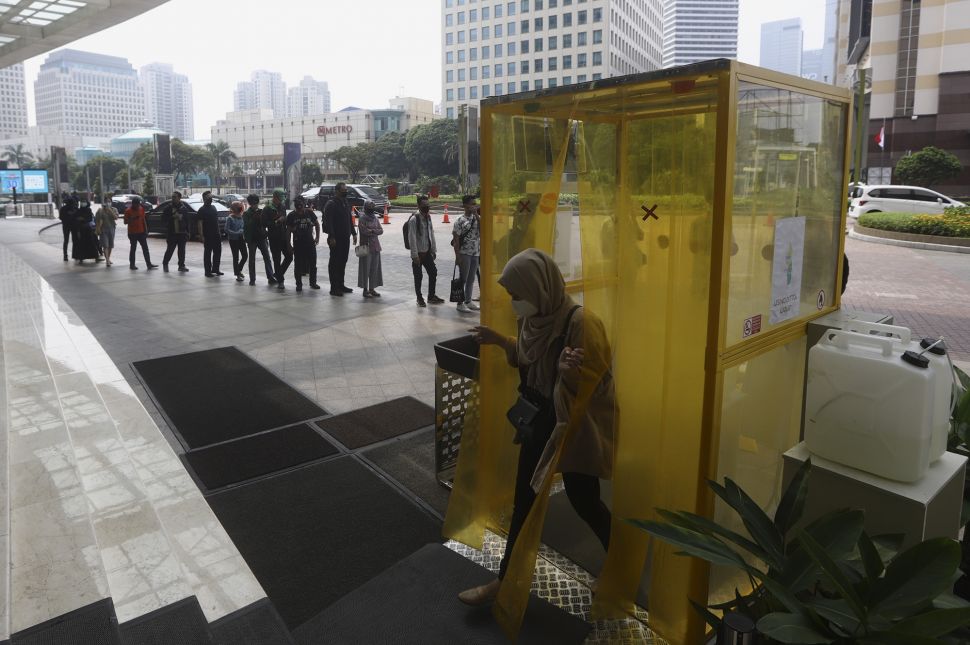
{"x": 25, "y": 181}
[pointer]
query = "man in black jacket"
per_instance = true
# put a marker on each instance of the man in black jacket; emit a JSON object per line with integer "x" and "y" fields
{"x": 210, "y": 236}
{"x": 338, "y": 224}
{"x": 176, "y": 219}
{"x": 274, "y": 219}
{"x": 67, "y": 214}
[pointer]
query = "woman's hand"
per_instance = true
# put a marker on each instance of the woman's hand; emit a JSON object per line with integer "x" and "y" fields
{"x": 487, "y": 336}
{"x": 571, "y": 359}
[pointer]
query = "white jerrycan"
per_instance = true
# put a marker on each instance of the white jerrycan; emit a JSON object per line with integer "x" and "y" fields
{"x": 939, "y": 363}
{"x": 869, "y": 405}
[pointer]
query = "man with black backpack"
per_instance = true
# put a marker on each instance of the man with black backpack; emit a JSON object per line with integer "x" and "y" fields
{"x": 419, "y": 238}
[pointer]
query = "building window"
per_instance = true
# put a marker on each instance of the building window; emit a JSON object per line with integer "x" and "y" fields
{"x": 906, "y": 56}
{"x": 597, "y": 36}
{"x": 473, "y": 53}
{"x": 581, "y": 78}
{"x": 449, "y": 95}
{"x": 524, "y": 86}
{"x": 498, "y": 31}
{"x": 581, "y": 39}
{"x": 486, "y": 71}
{"x": 510, "y": 49}
{"x": 510, "y": 87}
{"x": 510, "y": 69}
{"x": 497, "y": 51}
{"x": 567, "y": 41}
{"x": 498, "y": 89}
{"x": 473, "y": 73}
{"x": 538, "y": 45}
{"x": 498, "y": 11}
{"x": 524, "y": 46}
{"x": 461, "y": 37}
{"x": 553, "y": 63}
{"x": 461, "y": 74}
{"x": 510, "y": 29}
{"x": 537, "y": 65}
{"x": 523, "y": 6}
{"x": 498, "y": 70}
{"x": 552, "y": 82}
{"x": 461, "y": 17}
{"x": 538, "y": 5}
{"x": 523, "y": 67}
{"x": 597, "y": 58}
{"x": 597, "y": 15}
{"x": 461, "y": 93}
{"x": 581, "y": 17}
{"x": 485, "y": 50}
{"x": 449, "y": 3}
{"x": 597, "y": 77}
{"x": 567, "y": 19}
{"x": 553, "y": 22}
{"x": 486, "y": 32}
{"x": 473, "y": 35}
{"x": 485, "y": 13}
{"x": 485, "y": 91}
{"x": 581, "y": 60}
{"x": 461, "y": 55}
{"x": 449, "y": 58}
{"x": 537, "y": 24}
{"x": 473, "y": 92}
{"x": 567, "y": 80}
{"x": 449, "y": 76}
{"x": 449, "y": 38}
{"x": 510, "y": 8}
{"x": 449, "y": 19}
{"x": 537, "y": 84}
{"x": 553, "y": 42}
{"x": 450, "y": 113}
{"x": 524, "y": 27}
{"x": 567, "y": 62}
{"x": 473, "y": 15}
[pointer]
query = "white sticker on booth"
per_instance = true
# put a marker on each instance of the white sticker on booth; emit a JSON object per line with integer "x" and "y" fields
{"x": 786, "y": 268}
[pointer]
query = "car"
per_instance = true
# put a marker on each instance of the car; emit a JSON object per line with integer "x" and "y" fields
{"x": 123, "y": 201}
{"x": 156, "y": 225}
{"x": 897, "y": 199}
{"x": 229, "y": 198}
{"x": 357, "y": 194}
{"x": 219, "y": 199}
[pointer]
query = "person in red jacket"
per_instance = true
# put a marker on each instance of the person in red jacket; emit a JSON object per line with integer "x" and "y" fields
{"x": 137, "y": 233}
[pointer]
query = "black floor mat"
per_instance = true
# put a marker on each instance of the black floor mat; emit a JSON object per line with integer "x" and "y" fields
{"x": 258, "y": 455}
{"x": 378, "y": 422}
{"x": 181, "y": 623}
{"x": 566, "y": 533}
{"x": 221, "y": 394}
{"x": 94, "y": 623}
{"x": 410, "y": 461}
{"x": 257, "y": 624}
{"x": 314, "y": 534}
{"x": 415, "y": 602}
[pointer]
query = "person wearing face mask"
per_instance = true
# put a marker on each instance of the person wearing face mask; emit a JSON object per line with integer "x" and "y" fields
{"x": 255, "y": 235}
{"x": 559, "y": 346}
{"x": 235, "y": 232}
{"x": 338, "y": 224}
{"x": 85, "y": 245}
{"x": 211, "y": 237}
{"x": 369, "y": 275}
{"x": 302, "y": 225}
{"x": 176, "y": 219}
{"x": 106, "y": 219}
{"x": 66, "y": 214}
{"x": 466, "y": 240}
{"x": 423, "y": 251}
{"x": 274, "y": 221}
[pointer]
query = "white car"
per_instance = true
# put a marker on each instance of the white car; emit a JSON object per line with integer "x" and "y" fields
{"x": 897, "y": 199}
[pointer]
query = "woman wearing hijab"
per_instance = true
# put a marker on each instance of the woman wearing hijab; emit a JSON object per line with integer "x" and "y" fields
{"x": 106, "y": 220}
{"x": 369, "y": 275}
{"x": 85, "y": 245}
{"x": 559, "y": 344}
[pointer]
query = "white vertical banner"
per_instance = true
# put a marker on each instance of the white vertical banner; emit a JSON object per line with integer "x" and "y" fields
{"x": 786, "y": 269}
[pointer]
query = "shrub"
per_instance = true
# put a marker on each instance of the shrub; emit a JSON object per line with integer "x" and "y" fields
{"x": 954, "y": 222}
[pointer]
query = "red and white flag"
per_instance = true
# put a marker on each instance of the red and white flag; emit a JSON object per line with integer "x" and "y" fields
{"x": 881, "y": 138}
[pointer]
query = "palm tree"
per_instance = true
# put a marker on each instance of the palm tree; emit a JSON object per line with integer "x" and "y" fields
{"x": 222, "y": 155}
{"x": 17, "y": 155}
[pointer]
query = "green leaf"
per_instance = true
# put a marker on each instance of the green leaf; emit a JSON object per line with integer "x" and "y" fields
{"x": 836, "y": 611}
{"x": 791, "y": 628}
{"x": 695, "y": 544}
{"x": 703, "y": 525}
{"x": 758, "y": 524}
{"x": 835, "y": 575}
{"x": 709, "y": 617}
{"x": 947, "y": 600}
{"x": 938, "y": 622}
{"x": 836, "y": 532}
{"x": 916, "y": 576}
{"x": 793, "y": 501}
{"x": 963, "y": 377}
{"x": 870, "y": 557}
{"x": 890, "y": 638}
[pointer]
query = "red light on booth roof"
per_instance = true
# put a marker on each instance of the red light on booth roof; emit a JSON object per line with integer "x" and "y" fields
{"x": 680, "y": 87}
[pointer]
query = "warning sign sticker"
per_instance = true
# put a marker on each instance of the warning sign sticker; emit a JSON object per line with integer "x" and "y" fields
{"x": 752, "y": 326}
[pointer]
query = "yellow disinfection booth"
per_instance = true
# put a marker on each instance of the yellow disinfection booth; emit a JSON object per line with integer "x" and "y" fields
{"x": 699, "y": 211}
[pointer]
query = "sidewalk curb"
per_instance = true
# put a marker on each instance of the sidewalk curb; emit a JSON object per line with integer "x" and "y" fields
{"x": 926, "y": 246}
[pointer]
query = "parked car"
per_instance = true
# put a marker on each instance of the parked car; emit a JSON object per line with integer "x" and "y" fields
{"x": 898, "y": 199}
{"x": 122, "y": 202}
{"x": 357, "y": 194}
{"x": 219, "y": 199}
{"x": 156, "y": 225}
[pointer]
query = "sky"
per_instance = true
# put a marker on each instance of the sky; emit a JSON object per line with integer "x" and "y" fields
{"x": 368, "y": 50}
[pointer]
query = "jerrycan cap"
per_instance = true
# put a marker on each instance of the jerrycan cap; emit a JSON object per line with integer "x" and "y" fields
{"x": 936, "y": 346}
{"x": 914, "y": 359}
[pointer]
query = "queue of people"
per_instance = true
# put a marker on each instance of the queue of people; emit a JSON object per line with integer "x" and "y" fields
{"x": 282, "y": 239}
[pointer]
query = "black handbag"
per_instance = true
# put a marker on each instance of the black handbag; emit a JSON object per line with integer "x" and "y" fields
{"x": 457, "y": 287}
{"x": 533, "y": 414}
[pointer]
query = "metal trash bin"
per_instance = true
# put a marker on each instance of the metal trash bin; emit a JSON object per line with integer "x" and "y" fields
{"x": 455, "y": 401}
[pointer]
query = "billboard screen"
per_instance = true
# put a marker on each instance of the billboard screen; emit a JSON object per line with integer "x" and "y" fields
{"x": 163, "y": 154}
{"x": 292, "y": 180}
{"x": 25, "y": 181}
{"x": 35, "y": 181}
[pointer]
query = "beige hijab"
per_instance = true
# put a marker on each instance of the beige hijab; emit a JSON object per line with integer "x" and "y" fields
{"x": 534, "y": 277}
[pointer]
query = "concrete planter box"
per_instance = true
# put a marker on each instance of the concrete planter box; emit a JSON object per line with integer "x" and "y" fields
{"x": 913, "y": 237}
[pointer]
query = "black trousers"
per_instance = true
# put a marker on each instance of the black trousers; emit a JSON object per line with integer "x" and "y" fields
{"x": 259, "y": 245}
{"x": 337, "y": 266}
{"x": 68, "y": 236}
{"x": 176, "y": 241}
{"x": 306, "y": 262}
{"x": 239, "y": 255}
{"x": 211, "y": 253}
{"x": 424, "y": 260}
{"x": 281, "y": 250}
{"x": 136, "y": 239}
{"x": 583, "y": 492}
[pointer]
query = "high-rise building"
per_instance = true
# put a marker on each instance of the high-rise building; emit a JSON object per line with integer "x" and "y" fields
{"x": 918, "y": 77}
{"x": 696, "y": 30}
{"x": 168, "y": 100}
{"x": 264, "y": 90}
{"x": 87, "y": 94}
{"x": 13, "y": 102}
{"x": 812, "y": 64}
{"x": 308, "y": 98}
{"x": 781, "y": 45}
{"x": 829, "y": 42}
{"x": 492, "y": 48}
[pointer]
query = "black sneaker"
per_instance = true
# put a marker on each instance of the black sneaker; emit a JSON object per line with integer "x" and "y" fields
{"x": 336, "y": 293}
{"x": 252, "y": 282}
{"x": 152, "y": 266}
{"x": 421, "y": 302}
{"x": 271, "y": 280}
{"x": 219, "y": 273}
{"x": 299, "y": 288}
{"x": 239, "y": 277}
{"x": 210, "y": 275}
{"x": 183, "y": 269}
{"x": 133, "y": 267}
{"x": 314, "y": 286}
{"x": 165, "y": 268}
{"x": 435, "y": 300}
{"x": 280, "y": 286}
{"x": 346, "y": 289}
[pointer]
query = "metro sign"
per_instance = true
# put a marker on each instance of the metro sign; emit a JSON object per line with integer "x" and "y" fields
{"x": 323, "y": 130}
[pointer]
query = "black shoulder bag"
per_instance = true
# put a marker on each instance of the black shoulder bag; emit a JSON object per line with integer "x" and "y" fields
{"x": 533, "y": 413}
